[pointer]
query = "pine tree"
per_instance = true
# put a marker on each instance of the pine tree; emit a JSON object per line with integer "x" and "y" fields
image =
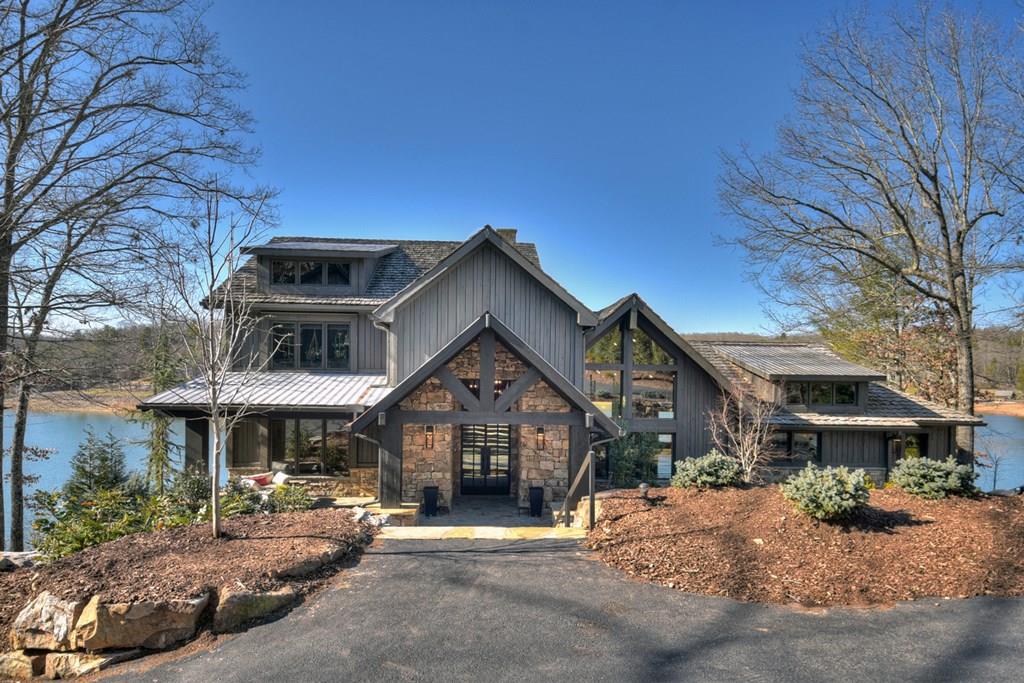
{"x": 98, "y": 465}
{"x": 160, "y": 461}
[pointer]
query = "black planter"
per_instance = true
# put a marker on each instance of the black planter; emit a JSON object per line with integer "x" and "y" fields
{"x": 536, "y": 501}
{"x": 430, "y": 501}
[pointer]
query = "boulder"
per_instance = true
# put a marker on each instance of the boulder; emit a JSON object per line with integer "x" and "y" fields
{"x": 20, "y": 560}
{"x": 19, "y": 666}
{"x": 46, "y": 623}
{"x": 73, "y": 664}
{"x": 152, "y": 625}
{"x": 237, "y": 607}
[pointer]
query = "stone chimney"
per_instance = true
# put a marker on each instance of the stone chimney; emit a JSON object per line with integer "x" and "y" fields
{"x": 507, "y": 234}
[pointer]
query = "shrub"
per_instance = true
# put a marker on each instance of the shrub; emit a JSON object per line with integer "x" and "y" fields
{"x": 191, "y": 491}
{"x": 707, "y": 471}
{"x": 289, "y": 499}
{"x": 934, "y": 478}
{"x": 827, "y": 494}
{"x": 238, "y": 499}
{"x": 97, "y": 465}
{"x": 65, "y": 524}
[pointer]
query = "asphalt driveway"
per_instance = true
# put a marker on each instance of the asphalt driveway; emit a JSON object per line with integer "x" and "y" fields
{"x": 546, "y": 610}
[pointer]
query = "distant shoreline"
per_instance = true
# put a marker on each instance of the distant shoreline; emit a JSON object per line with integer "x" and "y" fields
{"x": 1011, "y": 408}
{"x": 113, "y": 401}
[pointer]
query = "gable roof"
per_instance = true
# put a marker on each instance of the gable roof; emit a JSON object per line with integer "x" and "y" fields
{"x": 566, "y": 389}
{"x": 394, "y": 270}
{"x": 612, "y": 313}
{"x": 487, "y": 235}
{"x": 885, "y": 407}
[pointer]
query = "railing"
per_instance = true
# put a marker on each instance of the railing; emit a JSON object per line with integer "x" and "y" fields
{"x": 572, "y": 498}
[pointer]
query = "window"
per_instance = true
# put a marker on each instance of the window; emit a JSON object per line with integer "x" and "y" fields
{"x": 338, "y": 274}
{"x": 338, "y": 347}
{"x": 310, "y": 446}
{"x": 796, "y": 393}
{"x": 821, "y": 393}
{"x": 282, "y": 272}
{"x": 311, "y": 346}
{"x": 846, "y": 393}
{"x": 653, "y": 394}
{"x": 796, "y": 448}
{"x": 648, "y": 352}
{"x": 282, "y": 346}
{"x": 915, "y": 446}
{"x": 607, "y": 349}
{"x": 604, "y": 389}
{"x": 310, "y": 273}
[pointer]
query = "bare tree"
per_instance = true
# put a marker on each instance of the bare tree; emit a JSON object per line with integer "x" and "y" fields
{"x": 904, "y": 156}
{"x": 213, "y": 315}
{"x": 104, "y": 105}
{"x": 741, "y": 427}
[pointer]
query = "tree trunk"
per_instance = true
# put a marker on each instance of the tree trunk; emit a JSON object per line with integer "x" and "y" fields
{"x": 17, "y": 468}
{"x": 965, "y": 388}
{"x": 215, "y": 477}
{"x": 5, "y": 294}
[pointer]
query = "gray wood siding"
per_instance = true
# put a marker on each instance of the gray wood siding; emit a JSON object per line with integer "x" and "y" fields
{"x": 487, "y": 280}
{"x": 853, "y": 448}
{"x": 697, "y": 395}
{"x": 372, "y": 346}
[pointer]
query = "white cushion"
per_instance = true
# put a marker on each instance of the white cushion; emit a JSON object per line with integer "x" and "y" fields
{"x": 280, "y": 478}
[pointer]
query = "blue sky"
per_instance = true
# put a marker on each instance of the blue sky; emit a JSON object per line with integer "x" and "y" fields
{"x": 592, "y": 127}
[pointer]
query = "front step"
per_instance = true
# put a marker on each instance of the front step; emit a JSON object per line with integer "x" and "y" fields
{"x": 478, "y": 533}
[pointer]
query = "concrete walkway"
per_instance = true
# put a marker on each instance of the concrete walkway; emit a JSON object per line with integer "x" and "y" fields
{"x": 478, "y": 533}
{"x": 548, "y": 610}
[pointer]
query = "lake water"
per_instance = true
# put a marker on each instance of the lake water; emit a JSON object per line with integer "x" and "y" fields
{"x": 64, "y": 431}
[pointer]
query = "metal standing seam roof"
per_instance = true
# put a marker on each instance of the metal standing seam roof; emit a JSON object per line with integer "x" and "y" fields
{"x": 792, "y": 361}
{"x": 284, "y": 390}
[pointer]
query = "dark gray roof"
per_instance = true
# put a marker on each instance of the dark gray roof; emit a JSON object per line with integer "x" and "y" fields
{"x": 886, "y": 406}
{"x": 780, "y": 360}
{"x": 394, "y": 271}
{"x": 305, "y": 246}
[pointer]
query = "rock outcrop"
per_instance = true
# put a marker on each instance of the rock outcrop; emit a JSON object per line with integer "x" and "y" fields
{"x": 236, "y": 607}
{"x": 46, "y": 623}
{"x": 151, "y": 625}
{"x": 74, "y": 664}
{"x": 18, "y": 665}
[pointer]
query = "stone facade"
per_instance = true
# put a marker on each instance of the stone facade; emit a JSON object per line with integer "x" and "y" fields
{"x": 422, "y": 466}
{"x": 440, "y": 465}
{"x": 547, "y": 467}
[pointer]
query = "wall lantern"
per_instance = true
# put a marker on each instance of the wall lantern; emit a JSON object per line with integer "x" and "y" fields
{"x": 540, "y": 438}
{"x": 428, "y": 433}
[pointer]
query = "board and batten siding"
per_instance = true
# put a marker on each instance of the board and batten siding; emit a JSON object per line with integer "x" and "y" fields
{"x": 372, "y": 346}
{"x": 697, "y": 396}
{"x": 853, "y": 448}
{"x": 487, "y": 280}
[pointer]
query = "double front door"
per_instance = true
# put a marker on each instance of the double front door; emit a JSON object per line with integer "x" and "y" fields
{"x": 486, "y": 459}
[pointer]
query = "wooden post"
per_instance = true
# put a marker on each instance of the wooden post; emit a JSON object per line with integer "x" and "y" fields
{"x": 391, "y": 465}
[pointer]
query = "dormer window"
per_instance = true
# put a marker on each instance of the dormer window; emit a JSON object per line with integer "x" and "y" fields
{"x": 821, "y": 393}
{"x": 310, "y": 273}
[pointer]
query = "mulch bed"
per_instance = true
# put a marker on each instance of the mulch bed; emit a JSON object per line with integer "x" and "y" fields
{"x": 185, "y": 562}
{"x": 751, "y": 545}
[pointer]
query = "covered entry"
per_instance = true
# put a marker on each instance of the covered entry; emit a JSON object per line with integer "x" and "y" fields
{"x": 485, "y": 459}
{"x": 442, "y": 427}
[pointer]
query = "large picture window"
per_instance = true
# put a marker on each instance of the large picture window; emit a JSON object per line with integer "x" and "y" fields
{"x": 311, "y": 346}
{"x": 604, "y": 389}
{"x": 796, "y": 448}
{"x": 310, "y": 273}
{"x": 653, "y": 394}
{"x": 311, "y": 447}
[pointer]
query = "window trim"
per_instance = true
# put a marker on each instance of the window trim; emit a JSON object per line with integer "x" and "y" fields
{"x": 297, "y": 274}
{"x": 297, "y": 324}
{"x": 351, "y": 455}
{"x": 788, "y": 460}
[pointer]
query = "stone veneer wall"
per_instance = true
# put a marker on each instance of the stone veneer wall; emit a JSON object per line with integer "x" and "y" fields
{"x": 440, "y": 465}
{"x": 422, "y": 466}
{"x": 548, "y": 467}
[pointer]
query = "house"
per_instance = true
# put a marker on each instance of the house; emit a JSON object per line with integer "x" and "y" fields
{"x": 394, "y": 365}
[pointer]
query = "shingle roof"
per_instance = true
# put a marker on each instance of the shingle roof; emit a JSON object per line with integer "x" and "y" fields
{"x": 886, "y": 406}
{"x": 393, "y": 272}
{"x": 280, "y": 390}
